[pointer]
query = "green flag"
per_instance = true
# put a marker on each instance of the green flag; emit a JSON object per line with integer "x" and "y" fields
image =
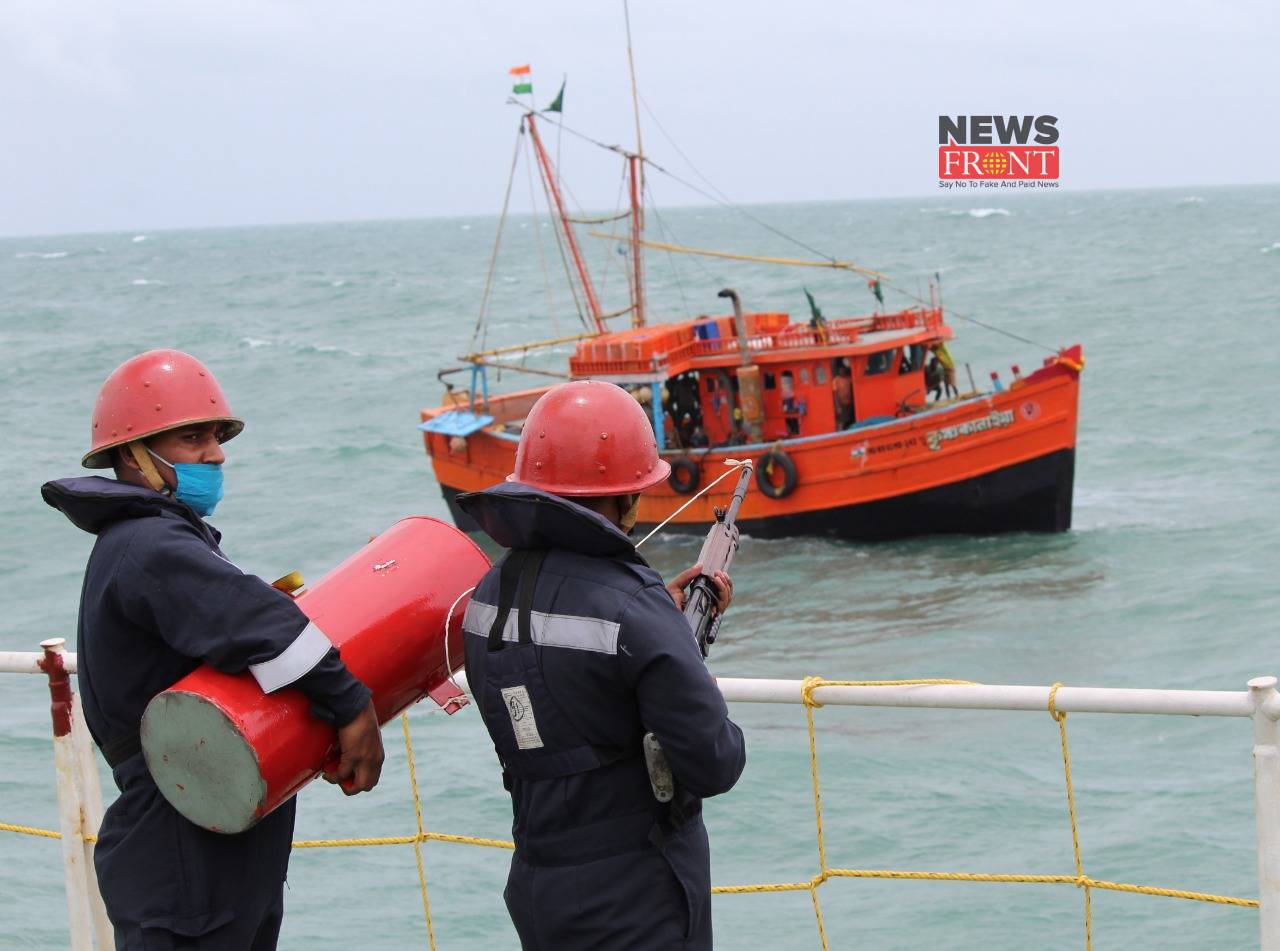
{"x": 557, "y": 104}
{"x": 522, "y": 87}
{"x": 876, "y": 289}
{"x": 813, "y": 308}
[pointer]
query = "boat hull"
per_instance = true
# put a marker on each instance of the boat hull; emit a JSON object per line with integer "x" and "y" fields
{"x": 996, "y": 462}
{"x": 1032, "y": 496}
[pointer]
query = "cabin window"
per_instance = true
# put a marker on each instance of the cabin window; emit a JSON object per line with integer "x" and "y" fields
{"x": 769, "y": 382}
{"x": 912, "y": 358}
{"x": 711, "y": 384}
{"x": 879, "y": 362}
{"x": 820, "y": 375}
{"x": 804, "y": 376}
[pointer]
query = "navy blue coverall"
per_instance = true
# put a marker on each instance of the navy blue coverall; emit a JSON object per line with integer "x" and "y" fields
{"x": 159, "y": 599}
{"x": 569, "y": 672}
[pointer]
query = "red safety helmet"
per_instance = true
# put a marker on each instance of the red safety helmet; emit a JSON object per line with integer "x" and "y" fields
{"x": 153, "y": 392}
{"x": 588, "y": 438}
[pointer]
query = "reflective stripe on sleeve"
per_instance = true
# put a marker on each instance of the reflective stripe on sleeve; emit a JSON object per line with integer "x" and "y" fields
{"x": 295, "y": 661}
{"x": 549, "y": 630}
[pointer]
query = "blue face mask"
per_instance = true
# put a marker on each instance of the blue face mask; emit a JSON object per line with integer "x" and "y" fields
{"x": 199, "y": 484}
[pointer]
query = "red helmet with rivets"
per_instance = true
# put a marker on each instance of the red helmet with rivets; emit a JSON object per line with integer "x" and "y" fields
{"x": 588, "y": 438}
{"x": 153, "y": 392}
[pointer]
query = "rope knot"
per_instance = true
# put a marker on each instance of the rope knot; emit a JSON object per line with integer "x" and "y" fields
{"x": 806, "y": 690}
{"x": 1058, "y": 715}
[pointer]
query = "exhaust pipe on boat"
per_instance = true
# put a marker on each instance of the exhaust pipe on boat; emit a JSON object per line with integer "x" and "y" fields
{"x": 750, "y": 390}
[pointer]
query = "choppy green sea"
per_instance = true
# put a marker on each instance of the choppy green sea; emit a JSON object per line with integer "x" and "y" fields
{"x": 328, "y": 338}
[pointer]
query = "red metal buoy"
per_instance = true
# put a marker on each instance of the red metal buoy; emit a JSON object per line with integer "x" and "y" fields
{"x": 225, "y": 754}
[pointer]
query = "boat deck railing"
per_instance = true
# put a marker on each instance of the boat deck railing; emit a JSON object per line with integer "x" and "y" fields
{"x": 80, "y": 801}
{"x": 642, "y": 356}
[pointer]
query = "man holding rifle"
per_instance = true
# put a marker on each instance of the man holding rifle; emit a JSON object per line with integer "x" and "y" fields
{"x": 576, "y": 650}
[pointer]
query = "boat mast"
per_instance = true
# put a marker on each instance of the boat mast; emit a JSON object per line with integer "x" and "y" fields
{"x": 544, "y": 166}
{"x": 636, "y": 167}
{"x": 637, "y": 241}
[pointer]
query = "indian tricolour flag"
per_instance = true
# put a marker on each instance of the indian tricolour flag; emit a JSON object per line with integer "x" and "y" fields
{"x": 524, "y": 83}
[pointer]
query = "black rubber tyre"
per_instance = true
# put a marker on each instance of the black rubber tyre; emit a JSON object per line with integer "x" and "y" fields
{"x": 685, "y": 475}
{"x": 779, "y": 459}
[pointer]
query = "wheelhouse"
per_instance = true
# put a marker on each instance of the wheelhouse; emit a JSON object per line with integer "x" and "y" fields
{"x": 688, "y": 374}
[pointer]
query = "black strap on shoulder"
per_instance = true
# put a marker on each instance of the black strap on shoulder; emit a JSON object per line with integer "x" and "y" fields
{"x": 529, "y": 581}
{"x": 508, "y": 576}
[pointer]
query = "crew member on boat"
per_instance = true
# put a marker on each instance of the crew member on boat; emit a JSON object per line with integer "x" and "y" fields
{"x": 575, "y": 648}
{"x": 159, "y": 599}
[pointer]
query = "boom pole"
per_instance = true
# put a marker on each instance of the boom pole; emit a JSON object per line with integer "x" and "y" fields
{"x": 544, "y": 166}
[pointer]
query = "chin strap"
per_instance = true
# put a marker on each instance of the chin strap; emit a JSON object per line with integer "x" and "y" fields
{"x": 149, "y": 470}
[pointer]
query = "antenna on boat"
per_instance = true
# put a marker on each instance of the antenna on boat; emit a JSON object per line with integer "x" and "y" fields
{"x": 635, "y": 165}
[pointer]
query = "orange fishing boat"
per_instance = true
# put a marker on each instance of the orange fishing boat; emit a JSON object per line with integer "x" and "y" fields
{"x": 855, "y": 426}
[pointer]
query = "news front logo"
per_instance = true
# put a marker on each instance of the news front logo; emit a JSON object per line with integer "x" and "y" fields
{"x": 998, "y": 152}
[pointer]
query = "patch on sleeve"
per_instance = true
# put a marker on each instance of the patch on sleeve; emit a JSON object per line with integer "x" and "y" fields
{"x": 520, "y": 710}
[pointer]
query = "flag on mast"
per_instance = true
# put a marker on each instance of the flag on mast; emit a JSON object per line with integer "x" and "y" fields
{"x": 524, "y": 83}
{"x": 557, "y": 104}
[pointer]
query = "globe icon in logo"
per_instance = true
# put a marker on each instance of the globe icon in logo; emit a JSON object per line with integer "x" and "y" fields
{"x": 994, "y": 163}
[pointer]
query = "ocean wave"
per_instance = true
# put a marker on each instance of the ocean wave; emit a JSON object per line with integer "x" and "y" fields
{"x": 338, "y": 283}
{"x": 139, "y": 238}
{"x": 143, "y": 282}
{"x": 1275, "y": 246}
{"x": 966, "y": 212}
{"x": 46, "y": 255}
{"x": 298, "y": 345}
{"x": 1190, "y": 200}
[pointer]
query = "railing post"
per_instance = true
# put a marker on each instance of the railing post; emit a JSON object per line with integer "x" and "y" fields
{"x": 1266, "y": 798}
{"x": 90, "y": 785}
{"x": 70, "y": 813}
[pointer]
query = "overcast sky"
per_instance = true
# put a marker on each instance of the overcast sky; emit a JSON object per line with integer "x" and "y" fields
{"x": 133, "y": 114}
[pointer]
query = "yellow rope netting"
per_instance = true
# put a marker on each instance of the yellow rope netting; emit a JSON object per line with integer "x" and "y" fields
{"x": 1079, "y": 879}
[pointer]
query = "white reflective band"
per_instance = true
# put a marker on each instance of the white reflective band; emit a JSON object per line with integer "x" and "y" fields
{"x": 549, "y": 630}
{"x": 296, "y": 660}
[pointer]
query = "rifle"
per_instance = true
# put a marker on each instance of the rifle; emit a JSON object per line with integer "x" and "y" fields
{"x": 716, "y": 555}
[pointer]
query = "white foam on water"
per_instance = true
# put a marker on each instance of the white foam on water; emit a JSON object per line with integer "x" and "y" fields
{"x": 254, "y": 342}
{"x": 466, "y": 227}
{"x": 142, "y": 282}
{"x": 1191, "y": 200}
{"x": 1275, "y": 246}
{"x": 139, "y": 238}
{"x": 986, "y": 212}
{"x": 337, "y": 283}
{"x": 46, "y": 255}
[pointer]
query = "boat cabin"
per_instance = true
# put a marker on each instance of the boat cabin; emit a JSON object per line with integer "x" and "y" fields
{"x": 709, "y": 382}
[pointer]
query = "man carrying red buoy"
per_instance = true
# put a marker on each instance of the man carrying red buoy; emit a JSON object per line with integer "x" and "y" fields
{"x": 160, "y": 599}
{"x": 575, "y": 649}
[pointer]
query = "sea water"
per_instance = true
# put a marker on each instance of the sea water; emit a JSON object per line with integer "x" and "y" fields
{"x": 328, "y": 339}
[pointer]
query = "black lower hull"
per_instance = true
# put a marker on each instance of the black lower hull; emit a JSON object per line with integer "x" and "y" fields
{"x": 1032, "y": 496}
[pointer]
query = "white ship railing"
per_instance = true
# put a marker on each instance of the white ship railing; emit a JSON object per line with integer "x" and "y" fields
{"x": 80, "y": 802}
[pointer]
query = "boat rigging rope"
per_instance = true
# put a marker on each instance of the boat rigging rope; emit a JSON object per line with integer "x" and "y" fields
{"x": 542, "y": 258}
{"x": 493, "y": 258}
{"x": 671, "y": 258}
{"x": 564, "y": 258}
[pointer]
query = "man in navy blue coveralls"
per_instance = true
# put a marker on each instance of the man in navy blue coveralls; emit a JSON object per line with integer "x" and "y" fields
{"x": 575, "y": 648}
{"x": 159, "y": 599}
